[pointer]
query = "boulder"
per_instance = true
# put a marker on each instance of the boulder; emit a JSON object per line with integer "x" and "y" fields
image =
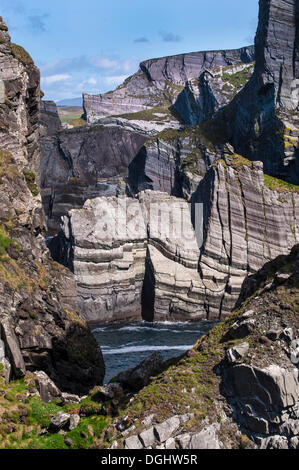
{"x": 46, "y": 387}
{"x": 74, "y": 421}
{"x": 166, "y": 429}
{"x": 136, "y": 378}
{"x": 133, "y": 442}
{"x": 206, "y": 439}
{"x": 148, "y": 437}
{"x": 12, "y": 348}
{"x": 237, "y": 352}
{"x": 60, "y": 421}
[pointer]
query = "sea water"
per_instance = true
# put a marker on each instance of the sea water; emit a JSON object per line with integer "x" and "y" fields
{"x": 125, "y": 345}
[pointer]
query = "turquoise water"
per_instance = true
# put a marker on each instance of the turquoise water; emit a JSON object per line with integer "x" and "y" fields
{"x": 125, "y": 345}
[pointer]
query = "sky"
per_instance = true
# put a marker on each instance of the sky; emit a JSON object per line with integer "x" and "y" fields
{"x": 93, "y": 45}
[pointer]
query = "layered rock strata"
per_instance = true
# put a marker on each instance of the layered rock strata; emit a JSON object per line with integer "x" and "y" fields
{"x": 245, "y": 224}
{"x": 41, "y": 327}
{"x": 158, "y": 82}
{"x": 202, "y": 97}
{"x": 262, "y": 121}
{"x": 82, "y": 163}
{"x": 133, "y": 258}
{"x": 49, "y": 119}
{"x": 105, "y": 245}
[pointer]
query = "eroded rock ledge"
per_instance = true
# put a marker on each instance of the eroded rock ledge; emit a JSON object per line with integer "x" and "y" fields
{"x": 151, "y": 271}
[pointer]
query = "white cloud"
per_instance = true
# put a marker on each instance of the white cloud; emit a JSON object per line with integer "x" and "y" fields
{"x": 55, "y": 78}
{"x": 103, "y": 62}
{"x": 115, "y": 80}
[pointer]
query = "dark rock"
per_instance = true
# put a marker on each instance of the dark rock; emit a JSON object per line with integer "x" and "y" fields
{"x": 265, "y": 340}
{"x": 60, "y": 421}
{"x": 49, "y": 119}
{"x": 68, "y": 442}
{"x": 273, "y": 335}
{"x": 139, "y": 376}
{"x": 84, "y": 163}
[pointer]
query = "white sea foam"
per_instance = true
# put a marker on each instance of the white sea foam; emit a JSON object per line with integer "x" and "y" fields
{"x": 134, "y": 349}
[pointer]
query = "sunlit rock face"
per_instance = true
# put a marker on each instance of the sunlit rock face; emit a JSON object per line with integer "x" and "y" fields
{"x": 262, "y": 121}
{"x": 40, "y": 325}
{"x": 168, "y": 274}
{"x": 158, "y": 83}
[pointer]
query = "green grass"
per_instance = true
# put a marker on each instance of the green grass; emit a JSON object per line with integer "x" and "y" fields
{"x": 279, "y": 185}
{"x": 21, "y": 54}
{"x": 5, "y": 243}
{"x": 66, "y": 118}
{"x": 30, "y": 180}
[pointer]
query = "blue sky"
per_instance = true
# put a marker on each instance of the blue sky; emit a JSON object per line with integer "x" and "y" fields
{"x": 93, "y": 45}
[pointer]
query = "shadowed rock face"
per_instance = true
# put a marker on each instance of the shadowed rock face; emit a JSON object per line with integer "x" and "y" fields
{"x": 83, "y": 163}
{"x": 262, "y": 121}
{"x": 41, "y": 326}
{"x": 49, "y": 119}
{"x": 245, "y": 225}
{"x": 215, "y": 88}
{"x": 159, "y": 80}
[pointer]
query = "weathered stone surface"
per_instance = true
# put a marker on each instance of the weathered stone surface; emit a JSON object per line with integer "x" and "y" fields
{"x": 139, "y": 376}
{"x": 46, "y": 387}
{"x": 159, "y": 80}
{"x": 38, "y": 298}
{"x": 2, "y": 350}
{"x": 84, "y": 163}
{"x": 74, "y": 421}
{"x": 262, "y": 122}
{"x": 108, "y": 262}
{"x": 166, "y": 429}
{"x": 49, "y": 119}
{"x": 203, "y": 96}
{"x": 133, "y": 442}
{"x": 70, "y": 398}
{"x": 60, "y": 420}
{"x": 237, "y": 352}
{"x": 148, "y": 437}
{"x": 12, "y": 348}
{"x": 245, "y": 225}
{"x": 206, "y": 439}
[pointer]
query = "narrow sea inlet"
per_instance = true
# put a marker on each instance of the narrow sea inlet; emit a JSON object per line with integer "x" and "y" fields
{"x": 125, "y": 345}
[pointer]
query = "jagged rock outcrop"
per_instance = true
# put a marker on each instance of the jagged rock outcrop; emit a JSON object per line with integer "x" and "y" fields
{"x": 132, "y": 258}
{"x": 262, "y": 121}
{"x": 105, "y": 245}
{"x": 245, "y": 225}
{"x": 158, "y": 83}
{"x": 202, "y": 97}
{"x": 171, "y": 258}
{"x": 206, "y": 400}
{"x": 41, "y": 327}
{"x": 247, "y": 221}
{"x": 173, "y": 162}
{"x": 82, "y": 163}
{"x": 49, "y": 119}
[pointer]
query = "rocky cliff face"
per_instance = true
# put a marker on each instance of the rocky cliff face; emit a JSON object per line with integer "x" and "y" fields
{"x": 82, "y": 163}
{"x": 262, "y": 121}
{"x": 248, "y": 219}
{"x": 215, "y": 88}
{"x": 49, "y": 119}
{"x": 158, "y": 83}
{"x": 238, "y": 386}
{"x": 41, "y": 327}
{"x": 128, "y": 266}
